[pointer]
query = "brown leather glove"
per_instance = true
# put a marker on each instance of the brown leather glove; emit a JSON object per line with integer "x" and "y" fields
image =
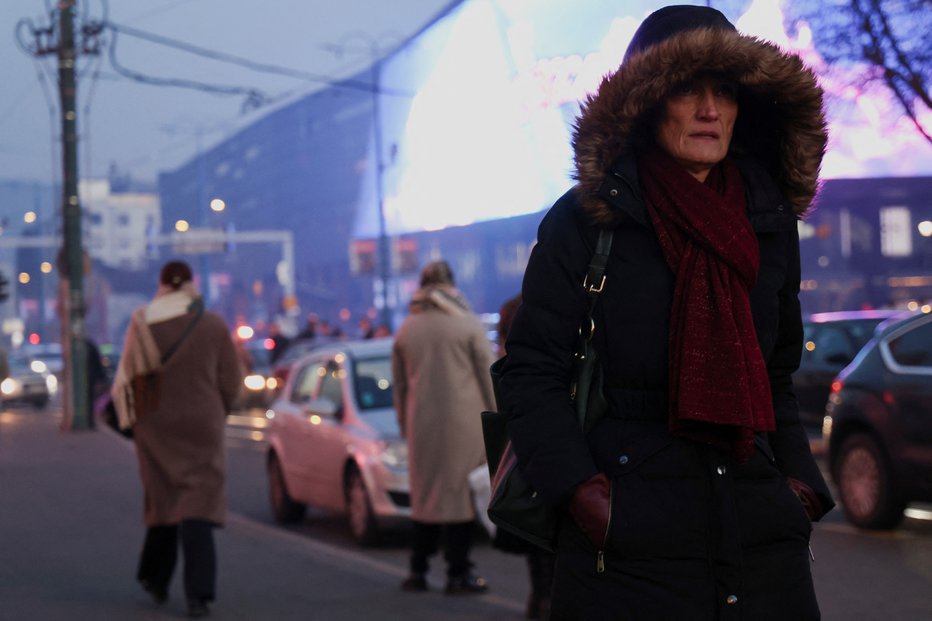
{"x": 590, "y": 508}
{"x": 808, "y": 497}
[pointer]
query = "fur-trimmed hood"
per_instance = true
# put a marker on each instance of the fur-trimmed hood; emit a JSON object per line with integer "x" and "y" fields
{"x": 781, "y": 123}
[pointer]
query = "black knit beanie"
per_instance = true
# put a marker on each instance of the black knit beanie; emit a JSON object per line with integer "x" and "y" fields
{"x": 670, "y": 20}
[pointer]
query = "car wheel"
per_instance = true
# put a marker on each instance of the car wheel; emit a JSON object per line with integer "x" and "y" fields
{"x": 359, "y": 509}
{"x": 285, "y": 509}
{"x": 864, "y": 484}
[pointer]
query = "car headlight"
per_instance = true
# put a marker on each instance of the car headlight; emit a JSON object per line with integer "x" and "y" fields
{"x": 38, "y": 366}
{"x": 254, "y": 382}
{"x": 394, "y": 454}
{"x": 51, "y": 382}
{"x": 9, "y": 386}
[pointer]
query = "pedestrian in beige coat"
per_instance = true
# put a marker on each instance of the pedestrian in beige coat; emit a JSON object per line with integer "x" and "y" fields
{"x": 440, "y": 368}
{"x": 177, "y": 379}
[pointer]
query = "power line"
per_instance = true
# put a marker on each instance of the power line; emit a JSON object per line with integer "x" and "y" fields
{"x": 254, "y": 97}
{"x": 256, "y": 66}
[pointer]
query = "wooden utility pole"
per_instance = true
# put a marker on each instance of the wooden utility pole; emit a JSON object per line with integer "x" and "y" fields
{"x": 72, "y": 261}
{"x": 73, "y": 327}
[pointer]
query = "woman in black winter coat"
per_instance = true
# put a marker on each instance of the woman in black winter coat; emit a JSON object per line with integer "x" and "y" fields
{"x": 693, "y": 497}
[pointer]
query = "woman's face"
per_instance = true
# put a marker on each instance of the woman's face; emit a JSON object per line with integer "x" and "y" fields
{"x": 696, "y": 123}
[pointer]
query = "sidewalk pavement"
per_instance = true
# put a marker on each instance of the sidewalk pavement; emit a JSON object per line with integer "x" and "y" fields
{"x": 71, "y": 530}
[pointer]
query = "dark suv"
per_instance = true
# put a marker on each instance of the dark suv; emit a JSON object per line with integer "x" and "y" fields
{"x": 830, "y": 343}
{"x": 878, "y": 424}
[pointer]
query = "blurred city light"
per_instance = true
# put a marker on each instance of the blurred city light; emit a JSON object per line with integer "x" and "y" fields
{"x": 218, "y": 204}
{"x": 182, "y": 225}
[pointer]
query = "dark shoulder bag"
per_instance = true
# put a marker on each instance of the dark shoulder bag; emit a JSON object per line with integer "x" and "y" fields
{"x": 514, "y": 505}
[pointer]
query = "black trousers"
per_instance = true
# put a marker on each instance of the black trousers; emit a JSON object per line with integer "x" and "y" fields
{"x": 458, "y": 541}
{"x": 160, "y": 553}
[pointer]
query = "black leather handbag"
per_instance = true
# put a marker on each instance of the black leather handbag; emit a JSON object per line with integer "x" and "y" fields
{"x": 514, "y": 506}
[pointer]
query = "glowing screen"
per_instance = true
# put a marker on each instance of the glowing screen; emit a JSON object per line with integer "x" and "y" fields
{"x": 476, "y": 113}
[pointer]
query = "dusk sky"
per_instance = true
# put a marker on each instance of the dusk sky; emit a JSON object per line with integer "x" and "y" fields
{"x": 144, "y": 128}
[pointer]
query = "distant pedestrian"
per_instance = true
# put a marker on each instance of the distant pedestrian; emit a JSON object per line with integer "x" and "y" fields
{"x": 310, "y": 327}
{"x": 440, "y": 367}
{"x": 176, "y": 382}
{"x": 366, "y": 329}
{"x": 96, "y": 379}
{"x": 280, "y": 342}
{"x": 540, "y": 562}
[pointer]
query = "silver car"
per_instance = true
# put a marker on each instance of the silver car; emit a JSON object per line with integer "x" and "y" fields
{"x": 29, "y": 381}
{"x": 334, "y": 441}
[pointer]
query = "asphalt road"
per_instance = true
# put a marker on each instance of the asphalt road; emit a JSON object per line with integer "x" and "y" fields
{"x": 859, "y": 575}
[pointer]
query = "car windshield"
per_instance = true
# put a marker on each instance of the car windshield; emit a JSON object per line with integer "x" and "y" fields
{"x": 20, "y": 364}
{"x": 373, "y": 382}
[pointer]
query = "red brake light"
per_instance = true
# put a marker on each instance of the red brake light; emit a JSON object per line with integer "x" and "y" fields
{"x": 837, "y": 386}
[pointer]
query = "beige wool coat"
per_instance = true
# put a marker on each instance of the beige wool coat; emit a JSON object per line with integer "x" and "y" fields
{"x": 440, "y": 369}
{"x": 179, "y": 443}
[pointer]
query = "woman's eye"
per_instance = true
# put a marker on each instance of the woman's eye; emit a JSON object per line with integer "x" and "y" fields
{"x": 729, "y": 90}
{"x": 685, "y": 88}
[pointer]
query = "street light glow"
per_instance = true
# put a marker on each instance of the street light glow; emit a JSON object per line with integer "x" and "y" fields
{"x": 925, "y": 228}
{"x": 218, "y": 204}
{"x": 46, "y": 267}
{"x": 29, "y": 217}
{"x": 23, "y": 278}
{"x": 182, "y": 225}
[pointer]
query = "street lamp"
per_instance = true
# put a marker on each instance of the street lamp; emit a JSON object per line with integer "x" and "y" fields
{"x": 384, "y": 260}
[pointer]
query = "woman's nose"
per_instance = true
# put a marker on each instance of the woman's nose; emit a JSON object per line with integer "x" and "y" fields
{"x": 707, "y": 104}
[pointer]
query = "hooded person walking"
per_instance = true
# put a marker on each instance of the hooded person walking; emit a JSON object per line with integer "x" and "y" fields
{"x": 176, "y": 381}
{"x": 440, "y": 370}
{"x": 693, "y": 497}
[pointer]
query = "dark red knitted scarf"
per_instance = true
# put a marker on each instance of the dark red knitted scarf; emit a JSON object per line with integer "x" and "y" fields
{"x": 719, "y": 389}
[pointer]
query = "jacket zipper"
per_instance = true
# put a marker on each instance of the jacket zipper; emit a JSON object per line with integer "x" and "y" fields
{"x": 600, "y": 555}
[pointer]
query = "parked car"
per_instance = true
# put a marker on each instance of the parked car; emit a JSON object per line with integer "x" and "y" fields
{"x": 50, "y": 354}
{"x": 830, "y": 343}
{"x": 878, "y": 424}
{"x": 29, "y": 382}
{"x": 259, "y": 385}
{"x": 295, "y": 349}
{"x": 334, "y": 441}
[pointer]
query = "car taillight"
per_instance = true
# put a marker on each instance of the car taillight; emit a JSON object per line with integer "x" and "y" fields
{"x": 837, "y": 385}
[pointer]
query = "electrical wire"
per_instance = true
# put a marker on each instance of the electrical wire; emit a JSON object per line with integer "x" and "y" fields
{"x": 254, "y": 97}
{"x": 255, "y": 66}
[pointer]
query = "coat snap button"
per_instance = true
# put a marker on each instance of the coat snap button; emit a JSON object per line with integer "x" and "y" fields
{"x": 613, "y": 192}
{"x": 731, "y": 599}
{"x": 721, "y": 470}
{"x": 623, "y": 460}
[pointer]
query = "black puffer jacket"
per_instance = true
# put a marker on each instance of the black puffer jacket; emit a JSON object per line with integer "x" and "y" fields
{"x": 693, "y": 534}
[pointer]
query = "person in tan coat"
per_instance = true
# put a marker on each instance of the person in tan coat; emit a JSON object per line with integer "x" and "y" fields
{"x": 177, "y": 380}
{"x": 440, "y": 369}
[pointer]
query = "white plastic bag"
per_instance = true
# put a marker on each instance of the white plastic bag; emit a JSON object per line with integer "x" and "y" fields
{"x": 481, "y": 493}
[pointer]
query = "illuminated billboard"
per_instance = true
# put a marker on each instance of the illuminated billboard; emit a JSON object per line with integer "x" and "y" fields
{"x": 475, "y": 114}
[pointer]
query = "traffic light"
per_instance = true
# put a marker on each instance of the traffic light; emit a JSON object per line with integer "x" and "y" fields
{"x": 4, "y": 287}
